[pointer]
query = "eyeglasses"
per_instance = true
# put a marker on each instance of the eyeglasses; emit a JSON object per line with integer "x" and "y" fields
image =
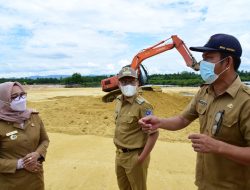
{"x": 16, "y": 96}
{"x": 217, "y": 124}
{"x": 126, "y": 82}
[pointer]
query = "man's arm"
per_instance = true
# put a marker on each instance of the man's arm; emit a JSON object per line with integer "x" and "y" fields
{"x": 148, "y": 147}
{"x": 236, "y": 153}
{"x": 173, "y": 123}
{"x": 206, "y": 144}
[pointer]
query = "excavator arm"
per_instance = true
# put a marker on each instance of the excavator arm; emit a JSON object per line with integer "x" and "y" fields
{"x": 111, "y": 83}
{"x": 162, "y": 47}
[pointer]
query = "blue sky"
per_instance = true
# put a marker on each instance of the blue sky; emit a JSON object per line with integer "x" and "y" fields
{"x": 58, "y": 37}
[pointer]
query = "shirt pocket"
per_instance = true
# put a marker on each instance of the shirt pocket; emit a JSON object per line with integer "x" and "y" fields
{"x": 229, "y": 130}
{"x": 129, "y": 119}
{"x": 229, "y": 122}
{"x": 128, "y": 122}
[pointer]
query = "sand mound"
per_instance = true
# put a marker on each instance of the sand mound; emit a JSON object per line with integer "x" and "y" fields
{"x": 88, "y": 115}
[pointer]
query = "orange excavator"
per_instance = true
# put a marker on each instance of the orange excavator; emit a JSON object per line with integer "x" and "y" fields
{"x": 111, "y": 84}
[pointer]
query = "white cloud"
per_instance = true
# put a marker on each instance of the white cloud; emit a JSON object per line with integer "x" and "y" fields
{"x": 99, "y": 37}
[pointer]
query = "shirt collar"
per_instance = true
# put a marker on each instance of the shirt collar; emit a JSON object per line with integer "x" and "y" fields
{"x": 234, "y": 87}
{"x": 129, "y": 99}
{"x": 231, "y": 90}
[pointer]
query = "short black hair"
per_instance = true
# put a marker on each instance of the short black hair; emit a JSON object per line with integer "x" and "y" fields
{"x": 236, "y": 59}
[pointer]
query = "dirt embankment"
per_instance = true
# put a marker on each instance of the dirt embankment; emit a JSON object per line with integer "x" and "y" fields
{"x": 80, "y": 115}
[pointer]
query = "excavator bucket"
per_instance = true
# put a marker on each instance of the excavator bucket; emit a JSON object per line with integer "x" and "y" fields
{"x": 111, "y": 96}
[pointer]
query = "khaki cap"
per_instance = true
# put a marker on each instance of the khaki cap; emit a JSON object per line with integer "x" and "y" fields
{"x": 127, "y": 72}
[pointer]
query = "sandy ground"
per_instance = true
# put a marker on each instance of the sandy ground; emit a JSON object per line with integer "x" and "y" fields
{"x": 81, "y": 153}
{"x": 39, "y": 93}
{"x": 87, "y": 163}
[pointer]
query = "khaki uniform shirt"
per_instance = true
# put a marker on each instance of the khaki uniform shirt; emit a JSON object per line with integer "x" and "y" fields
{"x": 128, "y": 133}
{"x": 32, "y": 137}
{"x": 214, "y": 171}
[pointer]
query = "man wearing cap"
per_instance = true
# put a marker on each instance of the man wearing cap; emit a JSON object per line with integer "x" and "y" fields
{"x": 133, "y": 145}
{"x": 222, "y": 105}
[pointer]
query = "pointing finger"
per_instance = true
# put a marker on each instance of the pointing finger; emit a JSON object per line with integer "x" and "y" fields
{"x": 194, "y": 136}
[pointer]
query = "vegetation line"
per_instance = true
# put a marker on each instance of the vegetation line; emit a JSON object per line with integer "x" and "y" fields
{"x": 179, "y": 79}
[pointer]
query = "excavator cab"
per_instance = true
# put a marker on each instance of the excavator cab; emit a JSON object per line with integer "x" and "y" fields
{"x": 142, "y": 76}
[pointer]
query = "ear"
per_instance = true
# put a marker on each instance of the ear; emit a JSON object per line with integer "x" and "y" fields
{"x": 228, "y": 62}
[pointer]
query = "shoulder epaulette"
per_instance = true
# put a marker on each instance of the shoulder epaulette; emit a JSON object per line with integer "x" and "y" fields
{"x": 246, "y": 89}
{"x": 140, "y": 100}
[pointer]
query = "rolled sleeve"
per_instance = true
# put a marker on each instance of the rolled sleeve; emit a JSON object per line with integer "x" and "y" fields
{"x": 190, "y": 112}
{"x": 147, "y": 109}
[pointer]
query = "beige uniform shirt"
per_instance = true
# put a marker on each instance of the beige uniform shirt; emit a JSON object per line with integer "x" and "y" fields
{"x": 32, "y": 137}
{"x": 214, "y": 171}
{"x": 128, "y": 133}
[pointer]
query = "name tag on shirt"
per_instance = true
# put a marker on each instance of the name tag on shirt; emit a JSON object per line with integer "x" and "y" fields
{"x": 11, "y": 133}
{"x": 203, "y": 102}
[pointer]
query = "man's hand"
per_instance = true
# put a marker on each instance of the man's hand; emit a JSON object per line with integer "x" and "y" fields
{"x": 203, "y": 143}
{"x": 37, "y": 167}
{"x": 150, "y": 123}
{"x": 31, "y": 159}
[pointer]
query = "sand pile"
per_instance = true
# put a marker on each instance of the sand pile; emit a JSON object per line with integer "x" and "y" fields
{"x": 88, "y": 115}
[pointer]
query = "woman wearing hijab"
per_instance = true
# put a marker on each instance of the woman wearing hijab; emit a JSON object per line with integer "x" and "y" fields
{"x": 23, "y": 141}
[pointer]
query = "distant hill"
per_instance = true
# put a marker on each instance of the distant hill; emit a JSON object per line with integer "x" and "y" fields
{"x": 48, "y": 76}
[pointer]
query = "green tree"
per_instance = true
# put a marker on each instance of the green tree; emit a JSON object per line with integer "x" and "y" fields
{"x": 76, "y": 78}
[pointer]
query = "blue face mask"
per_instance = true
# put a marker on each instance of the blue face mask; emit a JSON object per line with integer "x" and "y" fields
{"x": 207, "y": 71}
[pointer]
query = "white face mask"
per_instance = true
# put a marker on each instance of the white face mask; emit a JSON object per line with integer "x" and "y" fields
{"x": 18, "y": 105}
{"x": 128, "y": 90}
